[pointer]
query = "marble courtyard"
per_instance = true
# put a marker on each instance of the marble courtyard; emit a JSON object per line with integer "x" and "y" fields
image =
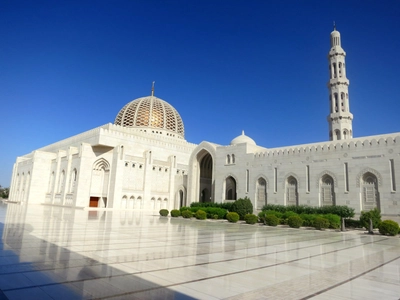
{"x": 51, "y": 252}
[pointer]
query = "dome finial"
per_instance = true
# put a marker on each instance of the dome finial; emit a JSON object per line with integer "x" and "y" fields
{"x": 152, "y": 88}
{"x": 242, "y": 132}
{"x": 334, "y": 25}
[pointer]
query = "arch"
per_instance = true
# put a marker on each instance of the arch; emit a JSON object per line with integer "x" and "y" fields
{"x": 61, "y": 182}
{"x": 51, "y": 182}
{"x": 230, "y": 188}
{"x": 100, "y": 181}
{"x": 124, "y": 201}
{"x": 327, "y": 190}
{"x": 153, "y": 203}
{"x": 131, "y": 203}
{"x": 261, "y": 192}
{"x": 228, "y": 159}
{"x": 73, "y": 178}
{"x": 138, "y": 203}
{"x": 326, "y": 172}
{"x": 368, "y": 170}
{"x": 291, "y": 174}
{"x": 197, "y": 182}
{"x": 205, "y": 161}
{"x": 291, "y": 189}
{"x": 337, "y": 134}
{"x": 369, "y": 191}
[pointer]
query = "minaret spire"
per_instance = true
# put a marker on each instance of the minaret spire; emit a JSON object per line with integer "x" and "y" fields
{"x": 152, "y": 88}
{"x": 340, "y": 119}
{"x": 334, "y": 26}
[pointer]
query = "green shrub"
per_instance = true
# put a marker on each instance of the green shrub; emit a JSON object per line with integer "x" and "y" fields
{"x": 215, "y": 217}
{"x": 201, "y": 215}
{"x": 232, "y": 217}
{"x": 352, "y": 223}
{"x": 389, "y": 227}
{"x": 295, "y": 221}
{"x": 271, "y": 220}
{"x": 187, "y": 214}
{"x": 164, "y": 212}
{"x": 226, "y": 206}
{"x": 251, "y": 219}
{"x": 175, "y": 213}
{"x": 321, "y": 222}
{"x": 184, "y": 208}
{"x": 212, "y": 211}
{"x": 334, "y": 220}
{"x": 340, "y": 210}
{"x": 308, "y": 219}
{"x": 242, "y": 207}
{"x": 373, "y": 214}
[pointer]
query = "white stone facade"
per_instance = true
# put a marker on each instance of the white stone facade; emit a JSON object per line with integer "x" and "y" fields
{"x": 144, "y": 162}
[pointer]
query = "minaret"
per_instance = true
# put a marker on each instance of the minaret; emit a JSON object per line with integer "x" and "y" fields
{"x": 340, "y": 118}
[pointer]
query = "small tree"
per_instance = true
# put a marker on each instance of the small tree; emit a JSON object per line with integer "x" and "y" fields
{"x": 374, "y": 215}
{"x": 242, "y": 207}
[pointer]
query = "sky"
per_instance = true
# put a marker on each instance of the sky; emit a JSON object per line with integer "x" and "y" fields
{"x": 226, "y": 66}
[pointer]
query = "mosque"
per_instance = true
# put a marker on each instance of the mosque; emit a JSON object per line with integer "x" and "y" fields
{"x": 143, "y": 161}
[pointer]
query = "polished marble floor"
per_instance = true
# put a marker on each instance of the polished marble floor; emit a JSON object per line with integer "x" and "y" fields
{"x": 60, "y": 253}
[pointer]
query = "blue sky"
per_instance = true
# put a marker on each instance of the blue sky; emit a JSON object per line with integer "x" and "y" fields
{"x": 226, "y": 66}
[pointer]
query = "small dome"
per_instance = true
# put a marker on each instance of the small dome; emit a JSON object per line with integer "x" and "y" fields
{"x": 152, "y": 113}
{"x": 243, "y": 139}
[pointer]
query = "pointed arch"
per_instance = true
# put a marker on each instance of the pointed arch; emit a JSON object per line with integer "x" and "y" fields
{"x": 291, "y": 174}
{"x": 230, "y": 187}
{"x": 370, "y": 170}
{"x": 101, "y": 164}
{"x": 369, "y": 191}
{"x": 261, "y": 192}
{"x": 326, "y": 172}
{"x": 291, "y": 190}
{"x": 327, "y": 190}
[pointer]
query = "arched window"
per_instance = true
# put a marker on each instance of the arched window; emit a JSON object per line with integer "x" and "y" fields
{"x": 291, "y": 191}
{"x": 72, "y": 184}
{"x": 51, "y": 183}
{"x": 334, "y": 70}
{"x": 336, "y": 102}
{"x": 327, "y": 191}
{"x": 61, "y": 182}
{"x": 124, "y": 201}
{"x": 337, "y": 133}
{"x": 345, "y": 134}
{"x": 131, "y": 203}
{"x": 261, "y": 193}
{"x": 228, "y": 159}
{"x": 233, "y": 158}
{"x": 369, "y": 191}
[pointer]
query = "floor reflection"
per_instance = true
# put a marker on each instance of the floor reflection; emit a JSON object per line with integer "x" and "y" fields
{"x": 50, "y": 252}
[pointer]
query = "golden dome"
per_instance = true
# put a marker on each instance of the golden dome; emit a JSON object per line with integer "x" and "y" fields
{"x": 151, "y": 113}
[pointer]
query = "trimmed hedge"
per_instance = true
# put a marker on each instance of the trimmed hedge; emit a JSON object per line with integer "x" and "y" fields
{"x": 251, "y": 219}
{"x": 201, "y": 215}
{"x": 389, "y": 227}
{"x": 175, "y": 213}
{"x": 321, "y": 223}
{"x": 373, "y": 214}
{"x": 226, "y": 206}
{"x": 334, "y": 220}
{"x": 187, "y": 214}
{"x": 295, "y": 221}
{"x": 271, "y": 220}
{"x": 340, "y": 210}
{"x": 242, "y": 207}
{"x": 164, "y": 212}
{"x": 232, "y": 217}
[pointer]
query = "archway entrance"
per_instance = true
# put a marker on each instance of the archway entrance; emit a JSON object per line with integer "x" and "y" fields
{"x": 206, "y": 171}
{"x": 230, "y": 188}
